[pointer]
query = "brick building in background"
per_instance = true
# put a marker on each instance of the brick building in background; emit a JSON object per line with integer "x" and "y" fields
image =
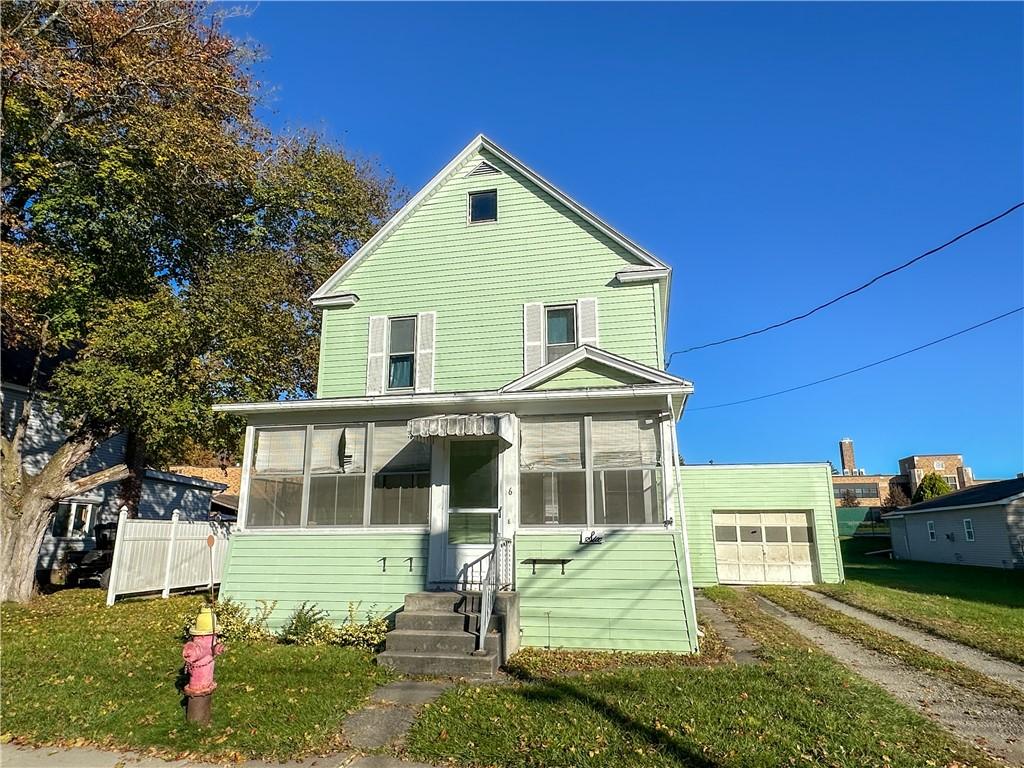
{"x": 871, "y": 489}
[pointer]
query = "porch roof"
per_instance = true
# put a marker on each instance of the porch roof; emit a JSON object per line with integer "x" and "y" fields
{"x": 486, "y": 400}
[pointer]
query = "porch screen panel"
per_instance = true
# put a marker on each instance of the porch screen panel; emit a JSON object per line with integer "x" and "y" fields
{"x": 552, "y": 473}
{"x": 337, "y": 483}
{"x": 627, "y": 470}
{"x": 401, "y": 477}
{"x": 275, "y": 488}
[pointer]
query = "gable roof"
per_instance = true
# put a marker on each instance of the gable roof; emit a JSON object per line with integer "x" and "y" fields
{"x": 586, "y": 352}
{"x": 659, "y": 269}
{"x": 975, "y": 496}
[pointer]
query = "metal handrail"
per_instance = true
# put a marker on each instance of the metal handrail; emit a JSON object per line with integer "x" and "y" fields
{"x": 492, "y": 584}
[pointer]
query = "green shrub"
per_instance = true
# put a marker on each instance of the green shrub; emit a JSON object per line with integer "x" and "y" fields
{"x": 309, "y": 625}
{"x": 368, "y": 634}
{"x": 237, "y": 623}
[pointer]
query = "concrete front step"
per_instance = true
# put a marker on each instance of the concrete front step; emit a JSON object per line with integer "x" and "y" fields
{"x": 440, "y": 664}
{"x": 434, "y": 602}
{"x": 432, "y": 621}
{"x": 430, "y": 641}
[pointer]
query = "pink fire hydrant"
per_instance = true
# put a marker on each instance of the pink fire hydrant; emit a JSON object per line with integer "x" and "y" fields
{"x": 199, "y": 654}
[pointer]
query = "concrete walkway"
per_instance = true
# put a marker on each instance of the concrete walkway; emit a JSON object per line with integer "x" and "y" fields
{"x": 971, "y": 716}
{"x": 381, "y": 724}
{"x": 743, "y": 649}
{"x": 998, "y": 669}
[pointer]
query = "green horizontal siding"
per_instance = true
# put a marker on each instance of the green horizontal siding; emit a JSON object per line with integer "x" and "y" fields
{"x": 590, "y": 375}
{"x": 332, "y": 570}
{"x": 758, "y": 487}
{"x": 478, "y": 277}
{"x": 625, "y": 594}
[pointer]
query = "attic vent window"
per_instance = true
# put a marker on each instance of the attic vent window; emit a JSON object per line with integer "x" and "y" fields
{"x": 484, "y": 169}
{"x": 483, "y": 206}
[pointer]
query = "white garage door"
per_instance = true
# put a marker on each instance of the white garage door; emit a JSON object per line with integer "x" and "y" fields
{"x": 764, "y": 547}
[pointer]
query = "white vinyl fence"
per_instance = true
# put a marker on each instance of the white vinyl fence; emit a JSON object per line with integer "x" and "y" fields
{"x": 164, "y": 555}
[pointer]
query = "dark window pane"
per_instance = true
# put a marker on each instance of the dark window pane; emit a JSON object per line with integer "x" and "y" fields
{"x": 60, "y": 520}
{"x": 403, "y": 336}
{"x": 400, "y": 499}
{"x": 628, "y": 497}
{"x": 725, "y": 533}
{"x": 562, "y": 325}
{"x": 750, "y": 533}
{"x": 553, "y": 498}
{"x": 400, "y": 375}
{"x": 483, "y": 206}
{"x": 471, "y": 527}
{"x": 555, "y": 351}
{"x": 775, "y": 534}
{"x": 274, "y": 501}
{"x": 801, "y": 534}
{"x": 473, "y": 474}
{"x": 336, "y": 499}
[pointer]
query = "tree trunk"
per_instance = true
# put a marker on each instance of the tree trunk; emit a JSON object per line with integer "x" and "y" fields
{"x": 19, "y": 549}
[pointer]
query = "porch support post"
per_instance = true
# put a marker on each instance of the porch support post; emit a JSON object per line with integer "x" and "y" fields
{"x": 688, "y": 597}
{"x": 243, "y": 489}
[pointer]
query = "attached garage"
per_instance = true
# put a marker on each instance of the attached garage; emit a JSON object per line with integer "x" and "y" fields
{"x": 764, "y": 547}
{"x": 761, "y": 524}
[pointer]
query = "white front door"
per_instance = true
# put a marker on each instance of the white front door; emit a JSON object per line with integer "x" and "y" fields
{"x": 472, "y": 519}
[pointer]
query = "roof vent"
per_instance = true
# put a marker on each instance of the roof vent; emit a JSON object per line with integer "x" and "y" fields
{"x": 484, "y": 169}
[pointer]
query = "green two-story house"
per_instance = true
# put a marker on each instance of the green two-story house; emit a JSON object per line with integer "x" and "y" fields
{"x": 493, "y": 416}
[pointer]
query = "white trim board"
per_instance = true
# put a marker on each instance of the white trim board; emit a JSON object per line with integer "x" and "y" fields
{"x": 335, "y": 300}
{"x": 453, "y": 398}
{"x": 955, "y": 507}
{"x": 586, "y": 352}
{"x": 478, "y": 143}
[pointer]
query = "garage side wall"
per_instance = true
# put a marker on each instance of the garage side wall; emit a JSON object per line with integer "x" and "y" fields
{"x": 762, "y": 487}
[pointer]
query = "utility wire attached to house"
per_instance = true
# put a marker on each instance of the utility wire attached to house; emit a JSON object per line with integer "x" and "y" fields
{"x": 849, "y": 293}
{"x": 861, "y": 368}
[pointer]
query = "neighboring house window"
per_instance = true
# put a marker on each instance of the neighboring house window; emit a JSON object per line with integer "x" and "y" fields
{"x": 940, "y": 465}
{"x": 614, "y": 478}
{"x": 968, "y": 529}
{"x": 552, "y": 479}
{"x": 401, "y": 477}
{"x": 483, "y": 206}
{"x": 931, "y": 530}
{"x": 560, "y": 331}
{"x": 859, "y": 490}
{"x": 275, "y": 489}
{"x": 401, "y": 352}
{"x": 337, "y": 482}
{"x": 72, "y": 520}
{"x": 951, "y": 481}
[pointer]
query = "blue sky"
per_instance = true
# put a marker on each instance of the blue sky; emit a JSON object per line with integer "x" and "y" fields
{"x": 775, "y": 155}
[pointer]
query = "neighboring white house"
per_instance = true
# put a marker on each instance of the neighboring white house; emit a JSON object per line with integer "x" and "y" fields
{"x": 980, "y": 525}
{"x": 75, "y": 518}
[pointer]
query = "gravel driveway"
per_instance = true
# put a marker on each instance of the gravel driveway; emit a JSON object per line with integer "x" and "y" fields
{"x": 972, "y": 717}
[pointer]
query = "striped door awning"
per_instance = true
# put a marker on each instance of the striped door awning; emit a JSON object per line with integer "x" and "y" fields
{"x": 462, "y": 425}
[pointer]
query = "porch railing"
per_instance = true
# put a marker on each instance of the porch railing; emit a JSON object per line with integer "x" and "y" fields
{"x": 497, "y": 575}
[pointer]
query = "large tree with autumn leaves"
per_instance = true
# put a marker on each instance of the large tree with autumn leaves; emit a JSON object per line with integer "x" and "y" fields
{"x": 158, "y": 243}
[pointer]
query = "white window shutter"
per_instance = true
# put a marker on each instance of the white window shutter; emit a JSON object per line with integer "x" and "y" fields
{"x": 587, "y": 310}
{"x": 533, "y": 337}
{"x": 376, "y": 355}
{"x": 425, "y": 322}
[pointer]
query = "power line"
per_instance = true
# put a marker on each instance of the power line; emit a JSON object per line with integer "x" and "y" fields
{"x": 849, "y": 293}
{"x": 863, "y": 367}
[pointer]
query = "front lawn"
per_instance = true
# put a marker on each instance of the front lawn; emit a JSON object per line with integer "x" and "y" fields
{"x": 77, "y": 671}
{"x": 799, "y": 707}
{"x": 980, "y": 607}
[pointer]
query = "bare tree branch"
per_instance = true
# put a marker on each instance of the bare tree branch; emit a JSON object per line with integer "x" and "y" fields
{"x": 95, "y": 480}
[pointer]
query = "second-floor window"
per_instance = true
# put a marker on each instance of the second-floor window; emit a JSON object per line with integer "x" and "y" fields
{"x": 859, "y": 490}
{"x": 560, "y": 323}
{"x": 401, "y": 352}
{"x": 483, "y": 206}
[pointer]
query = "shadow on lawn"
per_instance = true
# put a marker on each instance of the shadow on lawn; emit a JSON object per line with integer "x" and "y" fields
{"x": 556, "y": 691}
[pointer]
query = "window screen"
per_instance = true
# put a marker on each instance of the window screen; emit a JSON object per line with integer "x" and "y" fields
{"x": 552, "y": 481}
{"x": 337, "y": 484}
{"x": 627, "y": 470}
{"x": 275, "y": 488}
{"x": 401, "y": 477}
